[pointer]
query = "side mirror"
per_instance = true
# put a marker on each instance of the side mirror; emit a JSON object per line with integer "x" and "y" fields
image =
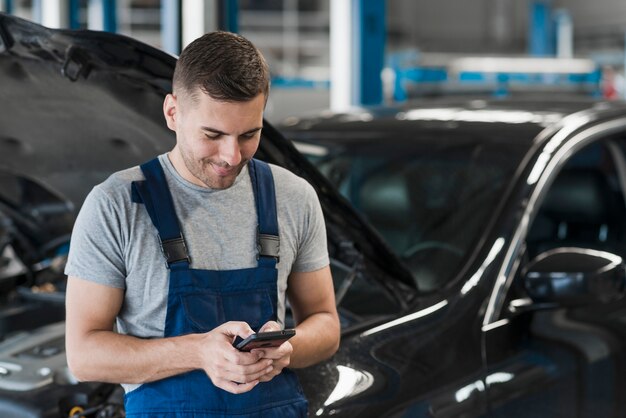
{"x": 575, "y": 276}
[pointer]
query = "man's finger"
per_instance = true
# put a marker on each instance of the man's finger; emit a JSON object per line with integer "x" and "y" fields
{"x": 274, "y": 352}
{"x": 250, "y": 369}
{"x": 269, "y": 353}
{"x": 245, "y": 378}
{"x": 270, "y": 326}
{"x": 241, "y": 358}
{"x": 234, "y": 328}
{"x": 235, "y": 388}
{"x": 269, "y": 376}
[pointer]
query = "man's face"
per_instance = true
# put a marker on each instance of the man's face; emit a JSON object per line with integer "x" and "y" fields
{"x": 214, "y": 139}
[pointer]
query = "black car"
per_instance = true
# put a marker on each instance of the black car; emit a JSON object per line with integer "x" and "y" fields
{"x": 502, "y": 332}
{"x": 511, "y": 217}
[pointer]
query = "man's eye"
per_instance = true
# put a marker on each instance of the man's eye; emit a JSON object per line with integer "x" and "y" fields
{"x": 215, "y": 136}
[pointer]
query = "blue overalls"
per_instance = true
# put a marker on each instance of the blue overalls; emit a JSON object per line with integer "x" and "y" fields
{"x": 200, "y": 300}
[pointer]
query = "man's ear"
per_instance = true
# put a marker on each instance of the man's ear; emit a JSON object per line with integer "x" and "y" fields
{"x": 170, "y": 108}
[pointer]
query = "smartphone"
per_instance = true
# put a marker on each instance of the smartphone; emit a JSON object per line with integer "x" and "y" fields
{"x": 264, "y": 339}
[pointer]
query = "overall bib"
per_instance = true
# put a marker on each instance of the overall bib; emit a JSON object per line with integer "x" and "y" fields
{"x": 201, "y": 300}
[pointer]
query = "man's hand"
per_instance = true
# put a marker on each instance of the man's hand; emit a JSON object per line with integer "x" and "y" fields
{"x": 228, "y": 368}
{"x": 96, "y": 353}
{"x": 281, "y": 355}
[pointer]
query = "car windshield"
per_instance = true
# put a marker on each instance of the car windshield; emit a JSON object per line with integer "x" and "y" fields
{"x": 431, "y": 201}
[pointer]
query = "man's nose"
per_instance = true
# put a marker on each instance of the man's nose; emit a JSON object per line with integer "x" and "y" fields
{"x": 230, "y": 152}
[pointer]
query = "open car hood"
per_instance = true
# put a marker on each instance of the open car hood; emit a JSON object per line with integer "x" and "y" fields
{"x": 79, "y": 105}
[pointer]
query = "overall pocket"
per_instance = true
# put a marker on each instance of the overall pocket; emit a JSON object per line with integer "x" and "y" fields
{"x": 203, "y": 311}
{"x": 206, "y": 311}
{"x": 253, "y": 306}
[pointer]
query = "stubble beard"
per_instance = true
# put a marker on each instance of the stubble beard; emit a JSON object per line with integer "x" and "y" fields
{"x": 203, "y": 171}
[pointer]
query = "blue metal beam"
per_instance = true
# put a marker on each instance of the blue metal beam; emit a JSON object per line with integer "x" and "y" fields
{"x": 74, "y": 14}
{"x": 8, "y": 6}
{"x": 229, "y": 19}
{"x": 369, "y": 41}
{"x": 109, "y": 11}
{"x": 171, "y": 26}
{"x": 541, "y": 35}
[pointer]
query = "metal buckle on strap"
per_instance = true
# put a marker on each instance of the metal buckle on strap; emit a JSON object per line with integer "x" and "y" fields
{"x": 174, "y": 250}
{"x": 269, "y": 246}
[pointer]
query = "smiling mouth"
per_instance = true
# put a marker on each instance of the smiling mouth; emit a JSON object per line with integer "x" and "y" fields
{"x": 223, "y": 171}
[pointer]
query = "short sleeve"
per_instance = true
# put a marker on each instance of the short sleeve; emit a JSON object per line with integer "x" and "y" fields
{"x": 312, "y": 249}
{"x": 96, "y": 252}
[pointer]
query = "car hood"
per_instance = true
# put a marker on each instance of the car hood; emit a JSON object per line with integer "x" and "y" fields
{"x": 79, "y": 105}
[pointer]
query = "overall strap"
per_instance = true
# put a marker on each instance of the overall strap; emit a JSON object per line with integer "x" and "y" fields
{"x": 157, "y": 199}
{"x": 268, "y": 241}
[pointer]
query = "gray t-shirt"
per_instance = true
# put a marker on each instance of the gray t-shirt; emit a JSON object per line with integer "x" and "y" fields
{"x": 114, "y": 242}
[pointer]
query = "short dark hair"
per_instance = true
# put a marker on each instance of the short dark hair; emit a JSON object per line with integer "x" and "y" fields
{"x": 224, "y": 65}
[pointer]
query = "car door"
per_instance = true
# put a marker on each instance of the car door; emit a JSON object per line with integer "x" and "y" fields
{"x": 559, "y": 357}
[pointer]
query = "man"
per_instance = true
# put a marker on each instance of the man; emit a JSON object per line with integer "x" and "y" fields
{"x": 197, "y": 247}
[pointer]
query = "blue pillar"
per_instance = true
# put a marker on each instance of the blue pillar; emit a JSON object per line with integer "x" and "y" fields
{"x": 8, "y": 6}
{"x": 109, "y": 9}
{"x": 74, "y": 14}
{"x": 171, "y": 26}
{"x": 369, "y": 50}
{"x": 541, "y": 37}
{"x": 229, "y": 19}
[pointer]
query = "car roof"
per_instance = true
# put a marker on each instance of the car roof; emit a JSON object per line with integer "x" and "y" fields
{"x": 517, "y": 119}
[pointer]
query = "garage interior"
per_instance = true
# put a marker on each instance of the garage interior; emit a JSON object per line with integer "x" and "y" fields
{"x": 470, "y": 162}
{"x": 399, "y": 49}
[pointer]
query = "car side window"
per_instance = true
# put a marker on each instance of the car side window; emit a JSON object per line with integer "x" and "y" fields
{"x": 584, "y": 206}
{"x": 583, "y": 209}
